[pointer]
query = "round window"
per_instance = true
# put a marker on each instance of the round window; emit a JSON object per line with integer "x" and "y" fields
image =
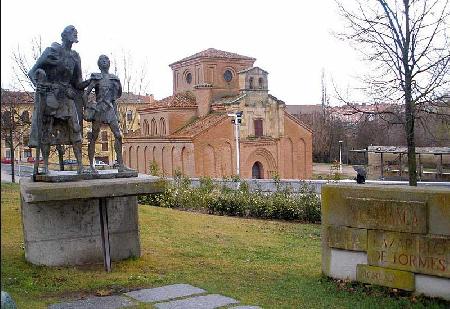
{"x": 228, "y": 76}
{"x": 188, "y": 78}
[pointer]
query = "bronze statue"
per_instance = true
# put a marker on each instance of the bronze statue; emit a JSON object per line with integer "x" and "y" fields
{"x": 57, "y": 115}
{"x": 104, "y": 110}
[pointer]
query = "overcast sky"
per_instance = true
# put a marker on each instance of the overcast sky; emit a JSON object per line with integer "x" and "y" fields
{"x": 291, "y": 40}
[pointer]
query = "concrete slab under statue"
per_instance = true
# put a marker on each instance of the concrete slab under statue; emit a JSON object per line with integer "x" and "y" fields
{"x": 67, "y": 176}
{"x": 83, "y": 222}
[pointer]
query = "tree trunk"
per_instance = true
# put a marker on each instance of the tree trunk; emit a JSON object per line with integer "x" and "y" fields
{"x": 11, "y": 147}
{"x": 412, "y": 168}
{"x": 409, "y": 104}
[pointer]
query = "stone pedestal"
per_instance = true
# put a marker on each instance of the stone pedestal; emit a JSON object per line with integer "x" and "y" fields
{"x": 71, "y": 223}
{"x": 397, "y": 237}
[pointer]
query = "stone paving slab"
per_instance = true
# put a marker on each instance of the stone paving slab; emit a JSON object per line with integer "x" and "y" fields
{"x": 210, "y": 301}
{"x": 110, "y": 302}
{"x": 165, "y": 293}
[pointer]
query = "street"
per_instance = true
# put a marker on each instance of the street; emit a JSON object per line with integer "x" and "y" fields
{"x": 25, "y": 171}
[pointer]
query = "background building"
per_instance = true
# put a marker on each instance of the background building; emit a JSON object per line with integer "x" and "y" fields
{"x": 191, "y": 131}
{"x": 21, "y": 105}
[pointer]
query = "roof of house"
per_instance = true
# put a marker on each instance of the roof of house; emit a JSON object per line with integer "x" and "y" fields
{"x": 251, "y": 69}
{"x": 201, "y": 125}
{"x": 23, "y": 97}
{"x": 404, "y": 149}
{"x": 184, "y": 99}
{"x": 129, "y": 97}
{"x": 303, "y": 109}
{"x": 296, "y": 120}
{"x": 18, "y": 97}
{"x": 214, "y": 53}
{"x": 229, "y": 100}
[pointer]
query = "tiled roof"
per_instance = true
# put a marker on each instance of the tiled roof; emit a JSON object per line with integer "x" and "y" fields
{"x": 252, "y": 68}
{"x": 185, "y": 99}
{"x": 404, "y": 149}
{"x": 276, "y": 99}
{"x": 28, "y": 97}
{"x": 129, "y": 97}
{"x": 214, "y": 53}
{"x": 296, "y": 120}
{"x": 18, "y": 97}
{"x": 229, "y": 100}
{"x": 303, "y": 109}
{"x": 201, "y": 124}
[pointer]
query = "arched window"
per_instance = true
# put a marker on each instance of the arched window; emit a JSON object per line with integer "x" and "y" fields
{"x": 261, "y": 83}
{"x": 162, "y": 126}
{"x": 250, "y": 83}
{"x": 257, "y": 170}
{"x": 154, "y": 129}
{"x": 189, "y": 78}
{"x": 146, "y": 127}
{"x": 6, "y": 119}
{"x": 129, "y": 116}
{"x": 25, "y": 117}
{"x": 104, "y": 136}
{"x": 228, "y": 76}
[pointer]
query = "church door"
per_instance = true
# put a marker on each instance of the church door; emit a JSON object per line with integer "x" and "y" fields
{"x": 257, "y": 170}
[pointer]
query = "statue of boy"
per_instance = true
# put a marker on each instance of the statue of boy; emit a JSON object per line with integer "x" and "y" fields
{"x": 104, "y": 110}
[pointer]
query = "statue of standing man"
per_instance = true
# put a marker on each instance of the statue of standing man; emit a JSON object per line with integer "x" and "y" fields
{"x": 57, "y": 115}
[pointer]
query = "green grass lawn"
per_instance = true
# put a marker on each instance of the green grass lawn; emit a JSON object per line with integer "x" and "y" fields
{"x": 268, "y": 263}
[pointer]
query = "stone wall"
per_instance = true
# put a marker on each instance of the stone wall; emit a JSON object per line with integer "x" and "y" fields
{"x": 391, "y": 236}
{"x": 270, "y": 185}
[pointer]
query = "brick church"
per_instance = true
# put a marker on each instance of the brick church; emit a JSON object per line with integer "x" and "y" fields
{"x": 191, "y": 131}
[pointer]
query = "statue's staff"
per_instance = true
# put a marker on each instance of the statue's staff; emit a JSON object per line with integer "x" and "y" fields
{"x": 39, "y": 106}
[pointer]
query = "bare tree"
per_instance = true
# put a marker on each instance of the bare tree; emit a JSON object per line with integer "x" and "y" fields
{"x": 22, "y": 62}
{"x": 407, "y": 45}
{"x": 134, "y": 77}
{"x": 15, "y": 123}
{"x": 126, "y": 123}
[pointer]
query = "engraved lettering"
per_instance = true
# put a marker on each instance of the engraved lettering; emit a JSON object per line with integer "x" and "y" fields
{"x": 403, "y": 259}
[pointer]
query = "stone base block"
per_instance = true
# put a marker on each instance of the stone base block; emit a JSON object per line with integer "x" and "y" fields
{"x": 343, "y": 263}
{"x": 61, "y": 223}
{"x": 386, "y": 277}
{"x": 433, "y": 286}
{"x": 68, "y": 232}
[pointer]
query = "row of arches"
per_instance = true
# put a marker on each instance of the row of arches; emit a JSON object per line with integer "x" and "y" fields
{"x": 251, "y": 84}
{"x": 153, "y": 129}
{"x": 219, "y": 161}
{"x": 164, "y": 160}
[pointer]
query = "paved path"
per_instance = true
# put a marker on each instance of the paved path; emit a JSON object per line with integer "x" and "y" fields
{"x": 176, "y": 296}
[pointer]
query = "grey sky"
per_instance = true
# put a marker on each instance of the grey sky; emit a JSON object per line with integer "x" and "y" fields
{"x": 289, "y": 39}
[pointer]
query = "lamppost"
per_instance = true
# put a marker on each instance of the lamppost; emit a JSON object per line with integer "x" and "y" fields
{"x": 340, "y": 156}
{"x": 237, "y": 119}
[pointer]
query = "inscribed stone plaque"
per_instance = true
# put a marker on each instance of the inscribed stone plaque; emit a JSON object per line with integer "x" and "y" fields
{"x": 412, "y": 252}
{"x": 386, "y": 277}
{"x": 347, "y": 238}
{"x": 391, "y": 215}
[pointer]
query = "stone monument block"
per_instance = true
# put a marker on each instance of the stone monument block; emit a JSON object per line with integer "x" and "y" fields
{"x": 384, "y": 276}
{"x": 394, "y": 236}
{"x": 342, "y": 237}
{"x": 416, "y": 253}
{"x": 390, "y": 215}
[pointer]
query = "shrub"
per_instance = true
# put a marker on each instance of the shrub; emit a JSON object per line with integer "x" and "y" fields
{"x": 215, "y": 199}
